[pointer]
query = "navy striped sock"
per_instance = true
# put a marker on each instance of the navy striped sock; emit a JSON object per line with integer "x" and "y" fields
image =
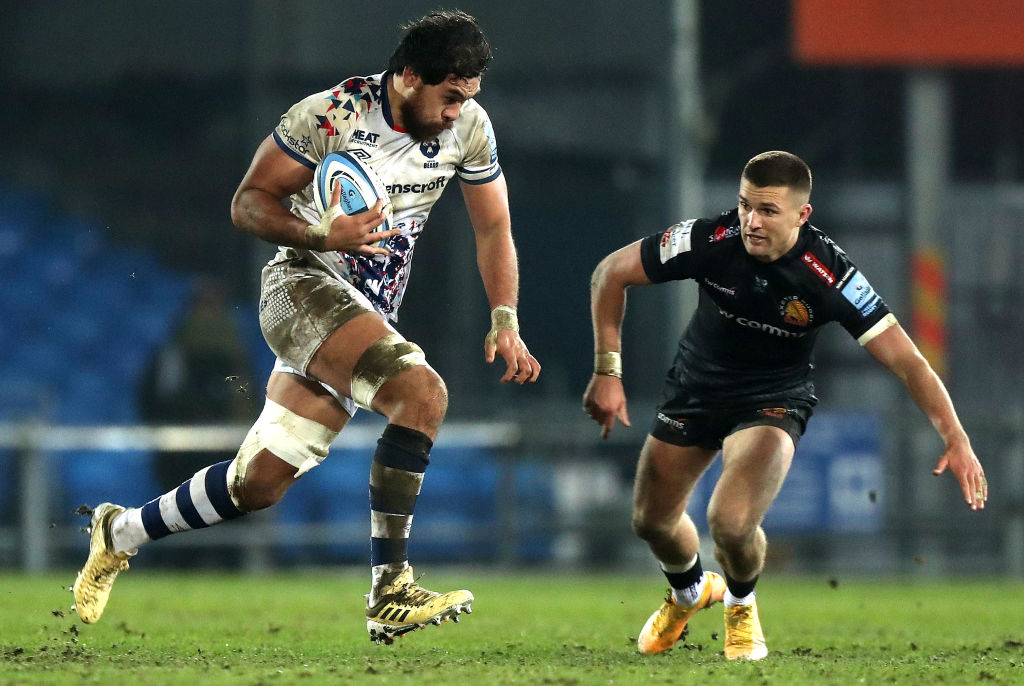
{"x": 200, "y": 502}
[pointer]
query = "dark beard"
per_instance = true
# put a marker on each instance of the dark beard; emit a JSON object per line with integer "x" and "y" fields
{"x": 421, "y": 131}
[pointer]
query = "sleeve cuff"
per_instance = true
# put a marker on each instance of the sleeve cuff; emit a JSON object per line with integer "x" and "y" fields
{"x": 883, "y": 324}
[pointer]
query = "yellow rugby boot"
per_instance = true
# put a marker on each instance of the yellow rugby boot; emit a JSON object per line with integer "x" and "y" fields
{"x": 403, "y": 606}
{"x": 668, "y": 624}
{"x": 744, "y": 639}
{"x": 92, "y": 586}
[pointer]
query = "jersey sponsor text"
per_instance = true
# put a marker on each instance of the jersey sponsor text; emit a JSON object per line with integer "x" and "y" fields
{"x": 818, "y": 268}
{"x": 861, "y": 295}
{"x": 396, "y": 188}
{"x": 728, "y": 290}
{"x": 676, "y": 240}
{"x": 761, "y": 326}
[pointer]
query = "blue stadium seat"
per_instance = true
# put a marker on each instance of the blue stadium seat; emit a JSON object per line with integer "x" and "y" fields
{"x": 535, "y": 496}
{"x": 82, "y": 318}
{"x": 60, "y": 271}
{"x": 94, "y": 476}
{"x": 89, "y": 396}
{"x": 71, "y": 233}
{"x": 84, "y": 330}
{"x": 23, "y": 206}
{"x": 127, "y": 359}
{"x": 13, "y": 240}
{"x": 335, "y": 492}
{"x": 43, "y": 358}
{"x": 152, "y": 321}
{"x": 101, "y": 292}
{"x": 24, "y": 396}
{"x": 23, "y": 283}
{"x": 458, "y": 496}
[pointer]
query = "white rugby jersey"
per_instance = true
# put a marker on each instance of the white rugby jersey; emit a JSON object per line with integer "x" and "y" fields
{"x": 355, "y": 116}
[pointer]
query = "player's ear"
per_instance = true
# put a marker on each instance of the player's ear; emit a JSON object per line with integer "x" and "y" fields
{"x": 409, "y": 78}
{"x": 805, "y": 212}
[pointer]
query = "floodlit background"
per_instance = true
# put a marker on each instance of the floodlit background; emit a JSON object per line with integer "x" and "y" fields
{"x": 129, "y": 299}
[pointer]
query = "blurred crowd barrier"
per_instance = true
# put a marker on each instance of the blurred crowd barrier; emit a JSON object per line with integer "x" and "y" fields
{"x": 496, "y": 493}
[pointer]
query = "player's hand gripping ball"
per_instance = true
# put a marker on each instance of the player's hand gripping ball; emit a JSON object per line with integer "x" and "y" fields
{"x": 361, "y": 188}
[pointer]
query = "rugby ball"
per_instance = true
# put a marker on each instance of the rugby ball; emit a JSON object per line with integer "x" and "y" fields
{"x": 360, "y": 187}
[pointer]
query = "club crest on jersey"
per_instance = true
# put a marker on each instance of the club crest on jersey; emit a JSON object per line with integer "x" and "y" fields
{"x": 795, "y": 311}
{"x": 430, "y": 148}
{"x": 721, "y": 233}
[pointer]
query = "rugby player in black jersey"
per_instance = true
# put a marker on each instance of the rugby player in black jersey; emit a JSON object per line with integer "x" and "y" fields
{"x": 741, "y": 383}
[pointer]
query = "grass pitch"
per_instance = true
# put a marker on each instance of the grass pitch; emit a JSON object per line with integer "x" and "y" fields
{"x": 306, "y": 628}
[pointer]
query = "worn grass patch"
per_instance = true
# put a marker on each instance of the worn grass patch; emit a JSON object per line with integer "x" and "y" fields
{"x": 306, "y": 628}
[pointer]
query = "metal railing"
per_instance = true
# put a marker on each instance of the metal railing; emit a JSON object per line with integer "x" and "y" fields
{"x": 921, "y": 524}
{"x": 34, "y": 537}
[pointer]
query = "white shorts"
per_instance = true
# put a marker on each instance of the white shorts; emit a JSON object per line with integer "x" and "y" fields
{"x": 346, "y": 402}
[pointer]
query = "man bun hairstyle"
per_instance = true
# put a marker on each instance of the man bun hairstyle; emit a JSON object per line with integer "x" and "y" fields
{"x": 441, "y": 43}
{"x": 778, "y": 168}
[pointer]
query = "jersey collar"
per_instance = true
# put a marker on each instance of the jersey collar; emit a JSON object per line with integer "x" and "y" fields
{"x": 800, "y": 245}
{"x": 386, "y": 102}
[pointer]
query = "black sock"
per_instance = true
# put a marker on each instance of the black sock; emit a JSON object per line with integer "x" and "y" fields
{"x": 396, "y": 474}
{"x": 740, "y": 589}
{"x": 682, "y": 580}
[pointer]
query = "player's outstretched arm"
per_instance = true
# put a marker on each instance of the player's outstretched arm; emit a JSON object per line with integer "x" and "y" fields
{"x": 273, "y": 176}
{"x": 487, "y": 205}
{"x": 894, "y": 349}
{"x": 605, "y": 399}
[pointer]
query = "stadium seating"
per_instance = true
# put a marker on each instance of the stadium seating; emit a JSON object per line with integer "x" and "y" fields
{"x": 457, "y": 512}
{"x": 84, "y": 316}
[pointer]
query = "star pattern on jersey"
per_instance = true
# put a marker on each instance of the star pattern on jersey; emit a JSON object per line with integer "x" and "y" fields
{"x": 327, "y": 125}
{"x": 333, "y": 98}
{"x": 352, "y": 97}
{"x": 358, "y": 91}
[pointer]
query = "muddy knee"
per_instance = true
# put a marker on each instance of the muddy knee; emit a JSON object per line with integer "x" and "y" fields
{"x": 392, "y": 377}
{"x": 265, "y": 480}
{"x": 280, "y": 447}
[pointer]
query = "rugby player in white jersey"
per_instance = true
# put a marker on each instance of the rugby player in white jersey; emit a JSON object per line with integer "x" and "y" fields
{"x": 327, "y": 302}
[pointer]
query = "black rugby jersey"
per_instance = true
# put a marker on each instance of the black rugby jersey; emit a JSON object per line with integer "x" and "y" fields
{"x": 752, "y": 336}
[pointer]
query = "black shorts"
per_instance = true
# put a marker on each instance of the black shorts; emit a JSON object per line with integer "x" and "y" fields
{"x": 681, "y": 422}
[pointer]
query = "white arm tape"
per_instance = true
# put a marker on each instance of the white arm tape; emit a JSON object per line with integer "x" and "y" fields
{"x": 883, "y": 324}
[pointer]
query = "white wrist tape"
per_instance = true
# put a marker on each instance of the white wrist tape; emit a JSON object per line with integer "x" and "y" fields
{"x": 316, "y": 234}
{"x": 503, "y": 318}
{"x": 608, "y": 364}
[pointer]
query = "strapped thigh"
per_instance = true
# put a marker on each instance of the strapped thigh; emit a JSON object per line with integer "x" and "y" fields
{"x": 383, "y": 360}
